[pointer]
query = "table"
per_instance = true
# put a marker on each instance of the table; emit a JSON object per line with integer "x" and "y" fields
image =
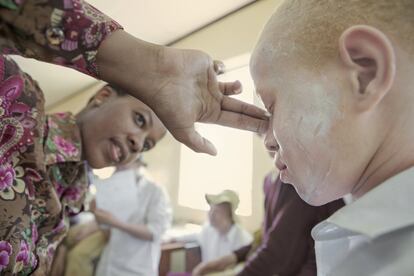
{"x": 192, "y": 255}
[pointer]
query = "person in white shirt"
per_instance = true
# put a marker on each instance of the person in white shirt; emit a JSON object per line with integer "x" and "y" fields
{"x": 134, "y": 245}
{"x": 337, "y": 78}
{"x": 220, "y": 235}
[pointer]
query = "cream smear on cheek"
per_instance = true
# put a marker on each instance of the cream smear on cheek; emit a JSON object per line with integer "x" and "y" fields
{"x": 310, "y": 125}
{"x": 313, "y": 108}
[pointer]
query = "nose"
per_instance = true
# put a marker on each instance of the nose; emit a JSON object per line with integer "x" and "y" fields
{"x": 270, "y": 140}
{"x": 136, "y": 142}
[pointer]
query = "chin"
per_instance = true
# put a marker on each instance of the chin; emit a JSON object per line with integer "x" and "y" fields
{"x": 318, "y": 199}
{"x": 315, "y": 201}
{"x": 94, "y": 160}
{"x": 312, "y": 197}
{"x": 94, "y": 165}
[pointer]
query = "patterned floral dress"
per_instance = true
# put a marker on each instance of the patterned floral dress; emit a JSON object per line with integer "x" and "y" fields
{"x": 42, "y": 177}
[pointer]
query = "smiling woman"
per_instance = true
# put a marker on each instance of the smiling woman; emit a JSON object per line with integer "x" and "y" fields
{"x": 131, "y": 127}
{"x": 44, "y": 158}
{"x": 44, "y": 161}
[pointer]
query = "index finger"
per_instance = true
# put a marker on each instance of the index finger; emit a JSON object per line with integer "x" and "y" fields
{"x": 238, "y": 106}
{"x": 242, "y": 121}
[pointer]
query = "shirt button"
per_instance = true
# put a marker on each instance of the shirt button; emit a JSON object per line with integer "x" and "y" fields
{"x": 55, "y": 36}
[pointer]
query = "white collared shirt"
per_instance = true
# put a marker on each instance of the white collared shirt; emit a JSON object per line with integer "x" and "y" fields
{"x": 373, "y": 235}
{"x": 126, "y": 255}
{"x": 214, "y": 245}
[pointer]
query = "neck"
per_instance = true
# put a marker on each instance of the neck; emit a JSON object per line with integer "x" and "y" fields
{"x": 225, "y": 228}
{"x": 394, "y": 155}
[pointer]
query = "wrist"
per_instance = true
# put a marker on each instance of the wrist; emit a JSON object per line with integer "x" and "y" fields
{"x": 230, "y": 260}
{"x": 233, "y": 259}
{"x": 116, "y": 223}
{"x": 130, "y": 63}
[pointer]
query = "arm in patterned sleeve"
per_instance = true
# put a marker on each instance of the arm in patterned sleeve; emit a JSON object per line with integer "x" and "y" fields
{"x": 71, "y": 32}
{"x": 34, "y": 197}
{"x": 64, "y": 32}
{"x": 23, "y": 182}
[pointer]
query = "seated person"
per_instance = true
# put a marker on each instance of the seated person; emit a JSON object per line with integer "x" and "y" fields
{"x": 337, "y": 77}
{"x": 133, "y": 246}
{"x": 221, "y": 235}
{"x": 287, "y": 247}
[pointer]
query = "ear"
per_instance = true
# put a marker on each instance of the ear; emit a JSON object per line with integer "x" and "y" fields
{"x": 104, "y": 94}
{"x": 370, "y": 59}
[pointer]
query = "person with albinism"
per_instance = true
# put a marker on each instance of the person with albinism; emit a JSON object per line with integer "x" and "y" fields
{"x": 337, "y": 77}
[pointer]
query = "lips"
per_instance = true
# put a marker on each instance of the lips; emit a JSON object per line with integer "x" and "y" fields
{"x": 116, "y": 151}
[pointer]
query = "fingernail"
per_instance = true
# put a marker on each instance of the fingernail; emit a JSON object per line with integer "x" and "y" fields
{"x": 219, "y": 67}
{"x": 211, "y": 149}
{"x": 238, "y": 90}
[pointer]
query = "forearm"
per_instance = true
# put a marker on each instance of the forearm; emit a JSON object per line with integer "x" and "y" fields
{"x": 224, "y": 263}
{"x": 140, "y": 231}
{"x": 55, "y": 31}
{"x": 120, "y": 53}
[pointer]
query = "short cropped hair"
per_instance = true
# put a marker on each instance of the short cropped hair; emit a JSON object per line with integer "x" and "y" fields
{"x": 117, "y": 90}
{"x": 310, "y": 29}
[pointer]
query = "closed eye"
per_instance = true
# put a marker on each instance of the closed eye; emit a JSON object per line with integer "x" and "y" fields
{"x": 270, "y": 108}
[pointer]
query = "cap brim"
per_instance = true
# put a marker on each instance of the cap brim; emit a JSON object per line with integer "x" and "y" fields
{"x": 212, "y": 199}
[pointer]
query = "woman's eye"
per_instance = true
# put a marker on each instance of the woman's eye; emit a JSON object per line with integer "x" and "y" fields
{"x": 140, "y": 120}
{"x": 147, "y": 146}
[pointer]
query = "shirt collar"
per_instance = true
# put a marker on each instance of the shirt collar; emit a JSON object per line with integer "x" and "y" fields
{"x": 230, "y": 235}
{"x": 63, "y": 139}
{"x": 386, "y": 208}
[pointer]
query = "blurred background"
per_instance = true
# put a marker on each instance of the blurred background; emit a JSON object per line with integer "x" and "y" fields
{"x": 228, "y": 31}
